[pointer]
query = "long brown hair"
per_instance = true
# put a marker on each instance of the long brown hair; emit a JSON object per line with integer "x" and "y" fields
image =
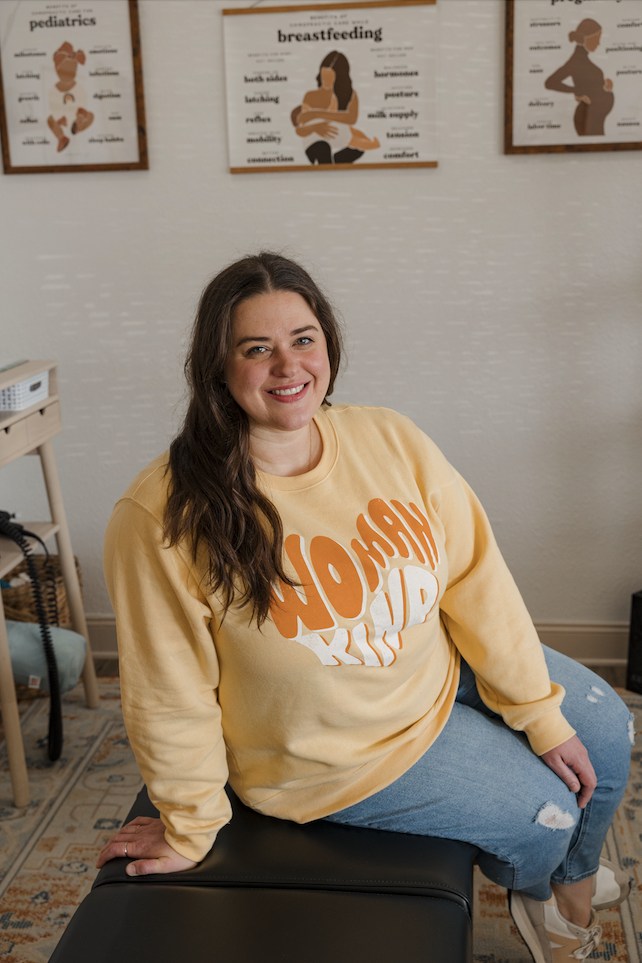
{"x": 214, "y": 503}
{"x": 342, "y": 84}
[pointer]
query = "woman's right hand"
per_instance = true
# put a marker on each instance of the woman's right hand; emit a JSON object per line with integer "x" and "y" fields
{"x": 584, "y": 99}
{"x": 146, "y": 844}
{"x": 570, "y": 761}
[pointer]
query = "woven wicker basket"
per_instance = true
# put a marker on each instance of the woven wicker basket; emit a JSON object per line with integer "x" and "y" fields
{"x": 19, "y": 603}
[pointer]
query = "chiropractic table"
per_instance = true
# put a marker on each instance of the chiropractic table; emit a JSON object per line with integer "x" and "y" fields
{"x": 274, "y": 891}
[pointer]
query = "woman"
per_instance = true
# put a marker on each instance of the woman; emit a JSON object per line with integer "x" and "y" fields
{"x": 592, "y": 92}
{"x": 325, "y": 117}
{"x": 310, "y": 602}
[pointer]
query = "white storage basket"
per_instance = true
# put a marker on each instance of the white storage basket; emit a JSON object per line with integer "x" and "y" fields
{"x": 25, "y": 393}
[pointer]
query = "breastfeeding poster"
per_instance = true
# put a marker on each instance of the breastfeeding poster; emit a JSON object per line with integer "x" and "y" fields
{"x": 338, "y": 86}
{"x": 577, "y": 77}
{"x": 68, "y": 82}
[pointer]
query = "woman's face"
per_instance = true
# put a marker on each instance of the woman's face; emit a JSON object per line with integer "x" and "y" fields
{"x": 278, "y": 369}
{"x": 328, "y": 77}
{"x": 593, "y": 42}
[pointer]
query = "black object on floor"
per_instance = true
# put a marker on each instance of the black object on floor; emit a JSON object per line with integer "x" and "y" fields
{"x": 278, "y": 891}
{"x": 634, "y": 665}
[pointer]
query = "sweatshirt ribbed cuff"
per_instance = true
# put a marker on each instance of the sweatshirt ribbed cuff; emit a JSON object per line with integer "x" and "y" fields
{"x": 548, "y": 731}
{"x": 195, "y": 848}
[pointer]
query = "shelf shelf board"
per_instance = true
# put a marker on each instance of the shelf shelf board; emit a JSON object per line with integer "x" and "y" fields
{"x": 11, "y": 555}
{"x": 8, "y": 418}
{"x": 23, "y": 371}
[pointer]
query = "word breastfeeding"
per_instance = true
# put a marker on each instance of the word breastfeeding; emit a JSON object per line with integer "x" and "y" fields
{"x": 357, "y": 33}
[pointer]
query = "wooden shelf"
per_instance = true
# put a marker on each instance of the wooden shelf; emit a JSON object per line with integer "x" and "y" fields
{"x": 23, "y": 371}
{"x": 11, "y": 555}
{"x": 21, "y": 433}
{"x": 8, "y": 418}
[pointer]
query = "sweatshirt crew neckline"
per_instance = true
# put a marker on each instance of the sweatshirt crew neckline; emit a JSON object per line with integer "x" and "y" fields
{"x": 329, "y": 456}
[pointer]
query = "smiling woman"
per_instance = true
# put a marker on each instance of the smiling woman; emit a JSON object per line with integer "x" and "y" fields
{"x": 310, "y": 603}
{"x": 246, "y": 344}
{"x": 278, "y": 372}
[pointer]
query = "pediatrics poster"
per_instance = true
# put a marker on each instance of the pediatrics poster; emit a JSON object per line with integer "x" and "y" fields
{"x": 336, "y": 86}
{"x": 69, "y": 86}
{"x": 577, "y": 73}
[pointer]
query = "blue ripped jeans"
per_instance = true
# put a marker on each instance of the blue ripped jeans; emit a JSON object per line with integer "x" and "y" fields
{"x": 481, "y": 782}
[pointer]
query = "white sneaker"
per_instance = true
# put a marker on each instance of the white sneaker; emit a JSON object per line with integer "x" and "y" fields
{"x": 549, "y": 937}
{"x": 611, "y": 886}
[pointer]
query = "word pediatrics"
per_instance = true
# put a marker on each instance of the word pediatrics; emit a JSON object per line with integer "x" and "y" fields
{"x": 331, "y": 33}
{"x": 56, "y": 21}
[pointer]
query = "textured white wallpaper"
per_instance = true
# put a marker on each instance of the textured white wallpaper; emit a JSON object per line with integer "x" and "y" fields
{"x": 496, "y": 300}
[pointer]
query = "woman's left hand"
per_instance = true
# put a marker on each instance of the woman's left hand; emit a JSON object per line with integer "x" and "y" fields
{"x": 571, "y": 763}
{"x": 143, "y": 839}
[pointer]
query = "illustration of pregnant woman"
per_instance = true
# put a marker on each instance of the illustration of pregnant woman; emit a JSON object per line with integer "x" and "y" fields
{"x": 592, "y": 92}
{"x": 326, "y": 117}
{"x": 68, "y": 98}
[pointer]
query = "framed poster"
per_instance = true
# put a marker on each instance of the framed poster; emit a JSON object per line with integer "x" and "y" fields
{"x": 331, "y": 86}
{"x": 573, "y": 75}
{"x": 71, "y": 86}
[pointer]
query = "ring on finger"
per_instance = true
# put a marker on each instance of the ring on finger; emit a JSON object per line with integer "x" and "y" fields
{"x": 125, "y": 849}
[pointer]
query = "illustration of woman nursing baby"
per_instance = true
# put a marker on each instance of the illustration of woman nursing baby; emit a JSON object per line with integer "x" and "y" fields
{"x": 326, "y": 117}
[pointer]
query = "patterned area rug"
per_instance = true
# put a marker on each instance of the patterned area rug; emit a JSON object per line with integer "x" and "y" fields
{"x": 48, "y": 850}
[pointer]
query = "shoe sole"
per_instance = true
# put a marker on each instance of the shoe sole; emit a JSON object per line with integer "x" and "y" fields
{"x": 525, "y": 927}
{"x": 625, "y": 887}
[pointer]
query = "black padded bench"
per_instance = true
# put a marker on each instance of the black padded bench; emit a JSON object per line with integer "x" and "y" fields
{"x": 272, "y": 890}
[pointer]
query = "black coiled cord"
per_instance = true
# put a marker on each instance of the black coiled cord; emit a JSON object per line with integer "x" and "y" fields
{"x": 17, "y": 534}
{"x": 52, "y": 600}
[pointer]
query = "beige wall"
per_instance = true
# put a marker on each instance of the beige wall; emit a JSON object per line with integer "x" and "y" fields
{"x": 496, "y": 300}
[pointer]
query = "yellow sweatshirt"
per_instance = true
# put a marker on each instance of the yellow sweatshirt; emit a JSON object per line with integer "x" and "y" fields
{"x": 354, "y": 674}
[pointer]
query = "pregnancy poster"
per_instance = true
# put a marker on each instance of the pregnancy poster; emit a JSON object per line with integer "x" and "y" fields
{"x": 71, "y": 93}
{"x": 573, "y": 75}
{"x": 335, "y": 86}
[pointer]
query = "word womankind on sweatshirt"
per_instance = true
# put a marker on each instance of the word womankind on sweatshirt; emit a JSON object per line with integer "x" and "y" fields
{"x": 336, "y": 584}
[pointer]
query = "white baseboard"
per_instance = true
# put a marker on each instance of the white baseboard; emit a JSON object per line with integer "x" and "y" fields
{"x": 593, "y": 643}
{"x": 102, "y": 637}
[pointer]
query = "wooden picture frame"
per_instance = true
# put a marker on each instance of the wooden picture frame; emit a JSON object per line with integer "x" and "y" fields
{"x": 93, "y": 123}
{"x": 593, "y": 101}
{"x": 383, "y": 55}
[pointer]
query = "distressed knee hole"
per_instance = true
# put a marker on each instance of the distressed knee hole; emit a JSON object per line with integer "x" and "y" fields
{"x": 591, "y": 697}
{"x": 631, "y": 728}
{"x": 553, "y": 817}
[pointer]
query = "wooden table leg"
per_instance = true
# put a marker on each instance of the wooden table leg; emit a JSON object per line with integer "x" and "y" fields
{"x": 11, "y": 721}
{"x": 68, "y": 566}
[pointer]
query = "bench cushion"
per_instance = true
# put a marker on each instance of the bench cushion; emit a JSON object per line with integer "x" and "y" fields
{"x": 130, "y": 923}
{"x": 255, "y": 850}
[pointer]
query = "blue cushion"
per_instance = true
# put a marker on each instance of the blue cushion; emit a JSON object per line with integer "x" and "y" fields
{"x": 28, "y": 654}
